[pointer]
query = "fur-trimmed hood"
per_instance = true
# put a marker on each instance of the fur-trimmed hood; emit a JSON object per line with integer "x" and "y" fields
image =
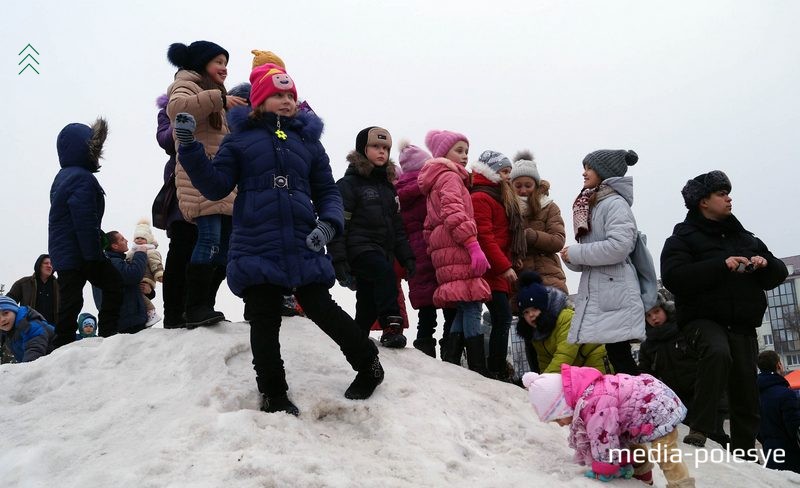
{"x": 484, "y": 170}
{"x": 81, "y": 145}
{"x": 359, "y": 164}
{"x": 306, "y": 123}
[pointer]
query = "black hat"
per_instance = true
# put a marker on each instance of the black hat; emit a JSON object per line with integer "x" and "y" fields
{"x": 704, "y": 185}
{"x": 195, "y": 56}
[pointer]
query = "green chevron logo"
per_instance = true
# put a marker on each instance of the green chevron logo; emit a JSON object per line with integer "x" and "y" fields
{"x": 29, "y": 57}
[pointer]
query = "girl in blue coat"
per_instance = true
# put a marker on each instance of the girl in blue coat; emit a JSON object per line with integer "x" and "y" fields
{"x": 286, "y": 210}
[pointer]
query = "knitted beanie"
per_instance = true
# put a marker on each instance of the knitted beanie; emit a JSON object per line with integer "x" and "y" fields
{"x": 266, "y": 57}
{"x": 440, "y": 142}
{"x": 532, "y": 293}
{"x": 494, "y": 160}
{"x": 195, "y": 56}
{"x": 372, "y": 135}
{"x": 8, "y": 304}
{"x": 524, "y": 165}
{"x": 546, "y": 394}
{"x": 143, "y": 229}
{"x": 267, "y": 80}
{"x": 704, "y": 185}
{"x": 608, "y": 163}
{"x": 412, "y": 157}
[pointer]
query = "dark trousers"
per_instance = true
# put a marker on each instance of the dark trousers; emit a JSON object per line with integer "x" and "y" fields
{"x": 183, "y": 236}
{"x": 728, "y": 362}
{"x": 104, "y": 276}
{"x": 620, "y": 357}
{"x": 500, "y": 312}
{"x": 263, "y": 308}
{"x": 426, "y": 321}
{"x": 376, "y": 294}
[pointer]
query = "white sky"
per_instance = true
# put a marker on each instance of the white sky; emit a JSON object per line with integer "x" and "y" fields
{"x": 145, "y": 411}
{"x": 691, "y": 86}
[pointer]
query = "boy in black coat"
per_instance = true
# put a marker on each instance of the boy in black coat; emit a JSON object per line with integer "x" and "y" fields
{"x": 780, "y": 415}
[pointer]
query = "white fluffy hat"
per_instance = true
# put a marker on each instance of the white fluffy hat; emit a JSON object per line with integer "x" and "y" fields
{"x": 546, "y": 394}
{"x": 143, "y": 229}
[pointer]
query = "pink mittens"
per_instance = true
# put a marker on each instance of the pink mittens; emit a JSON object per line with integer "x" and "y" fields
{"x": 478, "y": 258}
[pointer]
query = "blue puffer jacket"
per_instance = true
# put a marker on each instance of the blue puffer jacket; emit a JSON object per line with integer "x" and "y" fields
{"x": 283, "y": 186}
{"x": 31, "y": 337}
{"x": 77, "y": 202}
{"x": 780, "y": 421}
{"x": 132, "y": 312}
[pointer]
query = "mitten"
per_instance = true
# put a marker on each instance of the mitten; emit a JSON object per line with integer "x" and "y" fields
{"x": 320, "y": 236}
{"x": 185, "y": 126}
{"x": 141, "y": 247}
{"x": 478, "y": 258}
{"x": 411, "y": 267}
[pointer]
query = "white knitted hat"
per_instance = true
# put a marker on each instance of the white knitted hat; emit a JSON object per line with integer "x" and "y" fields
{"x": 546, "y": 394}
{"x": 524, "y": 167}
{"x": 143, "y": 229}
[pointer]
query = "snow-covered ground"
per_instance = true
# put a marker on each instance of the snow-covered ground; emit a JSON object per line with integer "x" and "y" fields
{"x": 177, "y": 408}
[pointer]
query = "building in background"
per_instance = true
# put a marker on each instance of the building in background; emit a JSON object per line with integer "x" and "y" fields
{"x": 780, "y": 329}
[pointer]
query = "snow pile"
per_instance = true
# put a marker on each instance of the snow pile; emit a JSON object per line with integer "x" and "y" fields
{"x": 177, "y": 408}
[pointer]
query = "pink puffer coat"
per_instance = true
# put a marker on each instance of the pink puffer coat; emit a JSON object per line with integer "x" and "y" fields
{"x": 449, "y": 226}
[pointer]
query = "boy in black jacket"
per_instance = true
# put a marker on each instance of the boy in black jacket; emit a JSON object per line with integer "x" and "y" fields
{"x": 374, "y": 237}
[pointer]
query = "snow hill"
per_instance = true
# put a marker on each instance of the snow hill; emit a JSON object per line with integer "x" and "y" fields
{"x": 177, "y": 408}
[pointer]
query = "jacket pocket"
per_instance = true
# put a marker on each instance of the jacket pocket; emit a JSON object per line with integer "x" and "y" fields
{"x": 611, "y": 291}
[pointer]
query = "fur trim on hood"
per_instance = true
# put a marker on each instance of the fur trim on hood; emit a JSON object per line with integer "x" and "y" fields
{"x": 98, "y": 137}
{"x": 363, "y": 167}
{"x": 483, "y": 169}
{"x": 307, "y": 123}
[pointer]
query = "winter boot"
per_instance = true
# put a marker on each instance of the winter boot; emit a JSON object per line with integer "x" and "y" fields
{"x": 367, "y": 379}
{"x": 644, "y": 472}
{"x": 198, "y": 311}
{"x": 173, "y": 319}
{"x": 393, "y": 333}
{"x": 428, "y": 346}
{"x": 217, "y": 277}
{"x": 476, "y": 357}
{"x": 278, "y": 403}
{"x": 498, "y": 369}
{"x": 695, "y": 438}
{"x": 454, "y": 348}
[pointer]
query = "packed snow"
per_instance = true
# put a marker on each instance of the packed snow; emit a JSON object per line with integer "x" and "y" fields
{"x": 178, "y": 408}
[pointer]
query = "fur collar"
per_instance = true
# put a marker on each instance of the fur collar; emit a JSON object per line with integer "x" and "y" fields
{"x": 363, "y": 167}
{"x": 306, "y": 123}
{"x": 484, "y": 170}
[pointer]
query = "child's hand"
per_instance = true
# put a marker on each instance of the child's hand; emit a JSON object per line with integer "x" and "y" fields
{"x": 185, "y": 126}
{"x": 320, "y": 236}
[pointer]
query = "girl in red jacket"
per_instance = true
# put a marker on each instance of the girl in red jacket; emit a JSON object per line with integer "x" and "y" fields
{"x": 501, "y": 237}
{"x": 451, "y": 235}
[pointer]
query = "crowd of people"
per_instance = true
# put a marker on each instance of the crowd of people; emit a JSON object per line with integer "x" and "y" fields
{"x": 249, "y": 196}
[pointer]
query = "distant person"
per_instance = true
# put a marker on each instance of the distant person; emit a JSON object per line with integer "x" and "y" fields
{"x": 452, "y": 238}
{"x": 87, "y": 326}
{"x": 38, "y": 291}
{"x": 154, "y": 272}
{"x": 24, "y": 331}
{"x": 276, "y": 159}
{"x": 610, "y": 418}
{"x": 77, "y": 204}
{"x": 779, "y": 431}
{"x": 133, "y": 313}
{"x": 413, "y": 210}
{"x": 373, "y": 235}
{"x": 608, "y": 306}
{"x": 545, "y": 316}
{"x": 718, "y": 272}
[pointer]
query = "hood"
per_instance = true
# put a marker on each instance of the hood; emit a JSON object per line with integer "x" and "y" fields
{"x": 623, "y": 185}
{"x": 188, "y": 75}
{"x": 576, "y": 380}
{"x": 38, "y": 264}
{"x": 83, "y": 317}
{"x": 82, "y": 146}
{"x": 360, "y": 165}
{"x": 435, "y": 167}
{"x": 483, "y": 169}
{"x": 162, "y": 100}
{"x": 305, "y": 122}
{"x": 768, "y": 380}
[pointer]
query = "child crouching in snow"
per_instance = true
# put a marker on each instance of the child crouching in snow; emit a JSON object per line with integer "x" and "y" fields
{"x": 610, "y": 417}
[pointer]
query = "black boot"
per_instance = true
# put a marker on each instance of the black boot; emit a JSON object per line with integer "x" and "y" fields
{"x": 393, "y": 332}
{"x": 428, "y": 346}
{"x": 198, "y": 283}
{"x": 367, "y": 379}
{"x": 498, "y": 369}
{"x": 173, "y": 319}
{"x": 217, "y": 277}
{"x": 476, "y": 357}
{"x": 278, "y": 403}
{"x": 454, "y": 348}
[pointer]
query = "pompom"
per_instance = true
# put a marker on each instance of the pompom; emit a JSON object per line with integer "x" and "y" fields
{"x": 404, "y": 143}
{"x": 525, "y": 155}
{"x": 430, "y": 136}
{"x": 529, "y": 277}
{"x": 143, "y": 220}
{"x": 178, "y": 54}
{"x": 162, "y": 100}
{"x": 631, "y": 157}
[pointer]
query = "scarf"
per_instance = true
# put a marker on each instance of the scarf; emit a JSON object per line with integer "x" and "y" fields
{"x": 582, "y": 208}
{"x": 518, "y": 245}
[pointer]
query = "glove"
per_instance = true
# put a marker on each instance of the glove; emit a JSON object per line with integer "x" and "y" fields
{"x": 478, "y": 258}
{"x": 411, "y": 267}
{"x": 343, "y": 275}
{"x": 320, "y": 236}
{"x": 185, "y": 126}
{"x": 142, "y": 247}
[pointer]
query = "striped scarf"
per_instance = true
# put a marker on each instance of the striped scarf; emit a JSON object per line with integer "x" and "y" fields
{"x": 582, "y": 209}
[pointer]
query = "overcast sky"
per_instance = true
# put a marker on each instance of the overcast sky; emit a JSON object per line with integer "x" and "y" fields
{"x": 690, "y": 86}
